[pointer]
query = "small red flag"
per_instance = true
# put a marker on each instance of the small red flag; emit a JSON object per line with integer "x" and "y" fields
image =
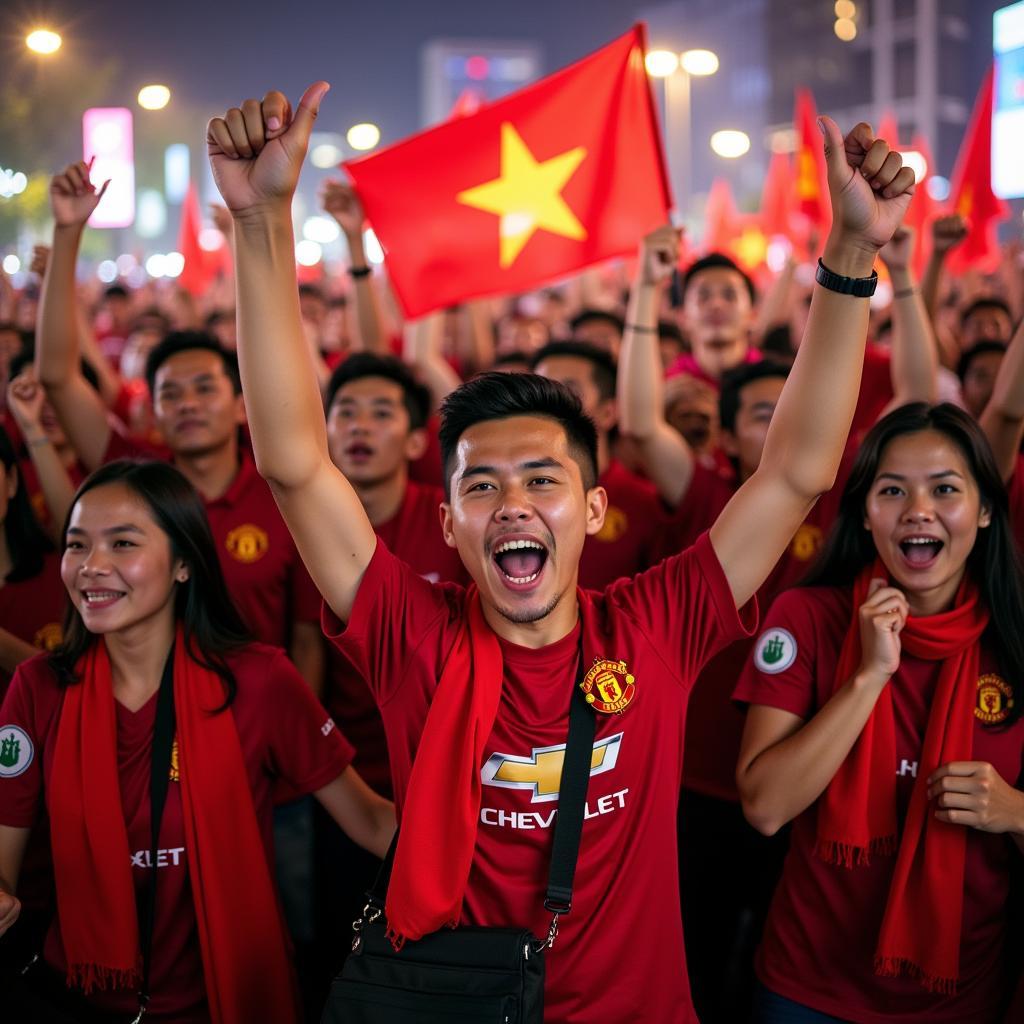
{"x": 777, "y": 198}
{"x": 889, "y": 130}
{"x": 811, "y": 175}
{"x": 201, "y": 267}
{"x": 564, "y": 173}
{"x": 721, "y": 218}
{"x": 921, "y": 211}
{"x": 468, "y": 102}
{"x": 971, "y": 192}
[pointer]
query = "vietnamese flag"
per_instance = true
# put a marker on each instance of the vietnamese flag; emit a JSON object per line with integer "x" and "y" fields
{"x": 564, "y": 173}
{"x": 777, "y": 198}
{"x": 971, "y": 191}
{"x": 201, "y": 267}
{"x": 721, "y": 218}
{"x": 811, "y": 178}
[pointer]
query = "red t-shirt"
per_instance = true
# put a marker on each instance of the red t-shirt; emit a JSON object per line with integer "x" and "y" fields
{"x": 620, "y": 954}
{"x": 427, "y": 469}
{"x": 819, "y": 942}
{"x": 714, "y": 724}
{"x": 875, "y": 391}
{"x": 414, "y": 535}
{"x": 284, "y": 736}
{"x": 1015, "y": 494}
{"x": 261, "y": 565}
{"x": 32, "y": 610}
{"x": 630, "y": 539}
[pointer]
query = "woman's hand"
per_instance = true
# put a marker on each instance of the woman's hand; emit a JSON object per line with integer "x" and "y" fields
{"x": 10, "y": 908}
{"x": 882, "y": 616}
{"x": 973, "y": 793}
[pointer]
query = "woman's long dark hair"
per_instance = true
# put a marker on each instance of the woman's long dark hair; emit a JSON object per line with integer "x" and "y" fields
{"x": 994, "y": 562}
{"x": 27, "y": 544}
{"x": 210, "y": 621}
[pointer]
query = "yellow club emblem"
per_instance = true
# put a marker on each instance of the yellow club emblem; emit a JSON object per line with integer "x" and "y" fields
{"x": 609, "y": 686}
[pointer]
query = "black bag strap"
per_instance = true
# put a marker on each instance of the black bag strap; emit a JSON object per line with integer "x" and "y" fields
{"x": 159, "y": 779}
{"x": 572, "y": 796}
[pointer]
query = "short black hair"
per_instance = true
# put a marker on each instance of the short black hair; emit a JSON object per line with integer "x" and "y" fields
{"x": 777, "y": 343}
{"x": 717, "y": 260}
{"x": 497, "y": 396}
{"x": 186, "y": 341}
{"x": 736, "y": 379}
{"x": 986, "y": 302}
{"x": 415, "y": 396}
{"x": 602, "y": 365}
{"x": 963, "y": 365}
{"x": 312, "y": 290}
{"x": 589, "y": 316}
{"x": 668, "y": 330}
{"x": 26, "y": 357}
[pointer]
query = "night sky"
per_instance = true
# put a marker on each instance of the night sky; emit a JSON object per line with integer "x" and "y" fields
{"x": 214, "y": 55}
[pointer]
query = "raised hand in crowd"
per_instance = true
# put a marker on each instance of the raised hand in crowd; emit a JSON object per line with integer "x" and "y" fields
{"x": 947, "y": 233}
{"x": 25, "y": 401}
{"x": 73, "y": 197}
{"x": 40, "y": 259}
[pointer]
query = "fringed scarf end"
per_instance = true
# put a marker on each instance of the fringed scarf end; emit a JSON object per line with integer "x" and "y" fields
{"x": 896, "y": 966}
{"x": 848, "y": 855}
{"x": 90, "y": 977}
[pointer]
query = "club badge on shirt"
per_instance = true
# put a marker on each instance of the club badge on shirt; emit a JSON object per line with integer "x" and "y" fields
{"x": 995, "y": 699}
{"x": 775, "y": 650}
{"x": 247, "y": 543}
{"x": 609, "y": 686}
{"x": 16, "y": 751}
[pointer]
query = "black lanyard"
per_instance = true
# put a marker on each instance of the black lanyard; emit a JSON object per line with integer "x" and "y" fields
{"x": 159, "y": 777}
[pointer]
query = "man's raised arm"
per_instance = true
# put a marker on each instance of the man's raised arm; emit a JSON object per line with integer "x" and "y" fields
{"x": 79, "y": 408}
{"x": 256, "y": 153}
{"x": 870, "y": 192}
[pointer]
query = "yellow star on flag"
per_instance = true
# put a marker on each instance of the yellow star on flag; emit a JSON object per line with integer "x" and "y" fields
{"x": 528, "y": 195}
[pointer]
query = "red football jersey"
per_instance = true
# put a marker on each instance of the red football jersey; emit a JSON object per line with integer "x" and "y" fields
{"x": 819, "y": 942}
{"x": 284, "y": 736}
{"x": 663, "y": 624}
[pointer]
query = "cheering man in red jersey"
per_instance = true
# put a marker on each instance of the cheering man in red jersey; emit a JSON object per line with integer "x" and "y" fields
{"x": 474, "y": 683}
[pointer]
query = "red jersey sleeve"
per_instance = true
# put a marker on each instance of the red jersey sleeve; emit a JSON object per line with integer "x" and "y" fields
{"x": 781, "y": 671}
{"x": 685, "y": 607}
{"x": 306, "y": 599}
{"x": 397, "y": 615}
{"x": 23, "y": 725}
{"x": 305, "y": 747}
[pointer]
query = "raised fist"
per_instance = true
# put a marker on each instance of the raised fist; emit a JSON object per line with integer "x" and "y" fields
{"x": 948, "y": 232}
{"x": 73, "y": 197}
{"x": 25, "y": 400}
{"x": 40, "y": 259}
{"x": 659, "y": 254}
{"x": 342, "y": 202}
{"x": 256, "y": 150}
{"x": 868, "y": 184}
{"x": 896, "y": 253}
{"x": 882, "y": 616}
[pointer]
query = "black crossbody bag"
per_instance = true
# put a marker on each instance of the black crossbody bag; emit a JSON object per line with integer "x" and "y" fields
{"x": 468, "y": 974}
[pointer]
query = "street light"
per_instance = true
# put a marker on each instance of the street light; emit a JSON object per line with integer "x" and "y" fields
{"x": 363, "y": 136}
{"x": 730, "y": 143}
{"x": 677, "y": 70}
{"x": 661, "y": 63}
{"x": 43, "y": 41}
{"x": 154, "y": 97}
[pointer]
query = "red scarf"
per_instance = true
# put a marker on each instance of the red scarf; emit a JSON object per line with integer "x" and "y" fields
{"x": 241, "y": 937}
{"x": 438, "y": 833}
{"x": 920, "y": 932}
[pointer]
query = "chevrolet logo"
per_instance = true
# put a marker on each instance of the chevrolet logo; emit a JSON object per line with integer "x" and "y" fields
{"x": 541, "y": 772}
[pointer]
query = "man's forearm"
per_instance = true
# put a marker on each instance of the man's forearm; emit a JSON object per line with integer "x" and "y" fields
{"x": 57, "y": 344}
{"x": 914, "y": 364}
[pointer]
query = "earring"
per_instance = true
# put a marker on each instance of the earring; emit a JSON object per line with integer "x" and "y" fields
{"x": 183, "y": 577}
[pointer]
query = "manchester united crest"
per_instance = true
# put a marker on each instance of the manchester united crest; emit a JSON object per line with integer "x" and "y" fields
{"x": 609, "y": 686}
{"x": 247, "y": 543}
{"x": 995, "y": 699}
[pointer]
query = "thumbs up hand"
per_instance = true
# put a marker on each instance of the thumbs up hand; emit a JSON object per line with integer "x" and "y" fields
{"x": 869, "y": 187}
{"x": 256, "y": 150}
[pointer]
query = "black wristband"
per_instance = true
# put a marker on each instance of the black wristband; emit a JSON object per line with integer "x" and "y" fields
{"x": 359, "y": 271}
{"x": 861, "y": 287}
{"x": 640, "y": 328}
{"x": 904, "y": 293}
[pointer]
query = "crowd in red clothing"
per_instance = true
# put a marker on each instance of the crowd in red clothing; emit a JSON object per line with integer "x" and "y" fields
{"x": 329, "y": 465}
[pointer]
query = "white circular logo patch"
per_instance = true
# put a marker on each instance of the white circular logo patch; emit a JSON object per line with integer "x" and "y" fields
{"x": 15, "y": 751}
{"x": 775, "y": 651}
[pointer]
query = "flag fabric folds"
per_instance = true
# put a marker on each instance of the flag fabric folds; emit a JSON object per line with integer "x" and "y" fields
{"x": 971, "y": 192}
{"x": 201, "y": 267}
{"x": 811, "y": 177}
{"x": 564, "y": 173}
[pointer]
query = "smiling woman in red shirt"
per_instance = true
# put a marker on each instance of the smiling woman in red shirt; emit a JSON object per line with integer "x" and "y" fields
{"x": 152, "y": 637}
{"x": 885, "y": 721}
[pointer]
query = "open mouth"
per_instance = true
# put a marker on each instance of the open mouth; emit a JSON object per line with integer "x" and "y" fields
{"x": 359, "y": 452}
{"x": 520, "y": 562}
{"x": 920, "y": 552}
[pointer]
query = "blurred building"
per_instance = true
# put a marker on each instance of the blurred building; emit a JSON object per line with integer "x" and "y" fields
{"x": 921, "y": 60}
